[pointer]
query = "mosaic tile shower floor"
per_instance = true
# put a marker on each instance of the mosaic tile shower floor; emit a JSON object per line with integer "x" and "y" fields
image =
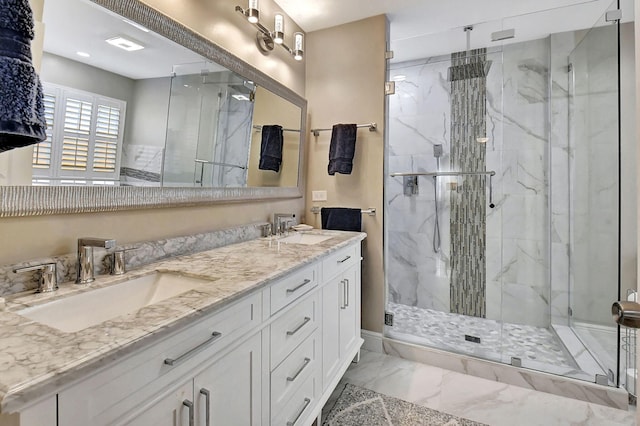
{"x": 498, "y": 342}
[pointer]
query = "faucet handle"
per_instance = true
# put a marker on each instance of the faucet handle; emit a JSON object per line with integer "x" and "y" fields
{"x": 48, "y": 276}
{"x": 118, "y": 264}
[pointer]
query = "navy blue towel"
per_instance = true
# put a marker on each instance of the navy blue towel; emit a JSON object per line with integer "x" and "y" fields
{"x": 22, "y": 119}
{"x": 271, "y": 148}
{"x": 341, "y": 219}
{"x": 342, "y": 148}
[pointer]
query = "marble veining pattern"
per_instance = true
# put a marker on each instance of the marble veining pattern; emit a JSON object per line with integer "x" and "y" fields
{"x": 143, "y": 253}
{"x": 36, "y": 359}
{"x": 474, "y": 398}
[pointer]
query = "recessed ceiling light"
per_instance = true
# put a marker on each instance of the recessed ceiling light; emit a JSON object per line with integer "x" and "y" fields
{"x": 240, "y": 97}
{"x": 124, "y": 43}
{"x": 135, "y": 24}
{"x": 83, "y": 54}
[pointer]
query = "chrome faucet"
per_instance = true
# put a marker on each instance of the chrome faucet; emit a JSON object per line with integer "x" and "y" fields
{"x": 84, "y": 266}
{"x": 280, "y": 219}
{"x": 48, "y": 280}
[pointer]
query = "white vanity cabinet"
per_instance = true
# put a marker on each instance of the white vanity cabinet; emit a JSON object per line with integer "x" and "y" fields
{"x": 340, "y": 313}
{"x": 272, "y": 357}
{"x": 150, "y": 379}
{"x": 225, "y": 393}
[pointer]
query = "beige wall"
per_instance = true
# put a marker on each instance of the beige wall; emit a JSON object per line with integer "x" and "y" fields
{"x": 217, "y": 20}
{"x": 345, "y": 84}
{"x": 270, "y": 108}
{"x": 36, "y": 237}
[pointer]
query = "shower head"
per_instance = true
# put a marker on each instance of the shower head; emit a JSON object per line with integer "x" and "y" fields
{"x": 437, "y": 150}
{"x": 469, "y": 69}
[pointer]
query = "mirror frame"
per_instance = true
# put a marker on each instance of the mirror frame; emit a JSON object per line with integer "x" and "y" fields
{"x": 35, "y": 201}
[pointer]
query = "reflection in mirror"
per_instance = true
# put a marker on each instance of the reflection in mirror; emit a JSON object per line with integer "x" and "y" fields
{"x": 145, "y": 111}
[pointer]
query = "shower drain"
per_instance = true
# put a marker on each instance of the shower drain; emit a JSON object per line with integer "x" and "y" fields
{"x": 470, "y": 338}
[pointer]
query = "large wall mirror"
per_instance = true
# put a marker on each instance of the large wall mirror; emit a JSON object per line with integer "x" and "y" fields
{"x": 158, "y": 116}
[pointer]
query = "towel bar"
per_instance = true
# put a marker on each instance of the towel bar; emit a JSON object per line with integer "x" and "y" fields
{"x": 372, "y": 128}
{"x": 370, "y": 211}
{"x": 258, "y": 128}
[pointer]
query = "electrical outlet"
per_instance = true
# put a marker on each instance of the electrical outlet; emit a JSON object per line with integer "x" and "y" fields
{"x": 318, "y": 195}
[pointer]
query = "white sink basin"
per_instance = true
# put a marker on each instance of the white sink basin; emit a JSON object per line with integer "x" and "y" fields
{"x": 79, "y": 311}
{"x": 308, "y": 239}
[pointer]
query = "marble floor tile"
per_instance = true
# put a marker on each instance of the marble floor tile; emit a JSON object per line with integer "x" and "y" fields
{"x": 474, "y": 398}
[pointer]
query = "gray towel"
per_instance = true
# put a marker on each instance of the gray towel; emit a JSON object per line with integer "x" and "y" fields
{"x": 341, "y": 219}
{"x": 271, "y": 148}
{"x": 342, "y": 148}
{"x": 22, "y": 119}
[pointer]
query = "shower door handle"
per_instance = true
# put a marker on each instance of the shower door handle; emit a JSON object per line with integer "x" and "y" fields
{"x": 626, "y": 313}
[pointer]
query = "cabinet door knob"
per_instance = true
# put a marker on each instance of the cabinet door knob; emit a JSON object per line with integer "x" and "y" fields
{"x": 207, "y": 411}
{"x": 189, "y": 405}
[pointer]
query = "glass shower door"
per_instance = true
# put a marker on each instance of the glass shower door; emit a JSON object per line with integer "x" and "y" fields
{"x": 594, "y": 138}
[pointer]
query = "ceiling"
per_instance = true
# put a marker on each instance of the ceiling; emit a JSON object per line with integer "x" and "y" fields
{"x": 77, "y": 25}
{"x": 425, "y": 28}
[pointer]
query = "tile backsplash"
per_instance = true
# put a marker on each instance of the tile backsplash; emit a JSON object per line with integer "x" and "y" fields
{"x": 143, "y": 253}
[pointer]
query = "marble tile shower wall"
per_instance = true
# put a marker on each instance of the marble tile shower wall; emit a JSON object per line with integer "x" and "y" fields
{"x": 145, "y": 253}
{"x": 517, "y": 255}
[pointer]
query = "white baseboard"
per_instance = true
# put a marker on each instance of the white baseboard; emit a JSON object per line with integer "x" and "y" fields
{"x": 372, "y": 341}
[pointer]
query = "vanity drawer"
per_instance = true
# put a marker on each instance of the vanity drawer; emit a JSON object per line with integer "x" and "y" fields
{"x": 298, "y": 408}
{"x": 294, "y": 370}
{"x": 340, "y": 261}
{"x": 119, "y": 388}
{"x": 288, "y": 331}
{"x": 292, "y": 287}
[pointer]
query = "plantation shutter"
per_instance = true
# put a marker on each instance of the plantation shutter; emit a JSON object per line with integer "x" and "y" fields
{"x": 84, "y": 138}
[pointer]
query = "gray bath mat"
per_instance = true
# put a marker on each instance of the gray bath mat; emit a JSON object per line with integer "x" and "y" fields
{"x": 357, "y": 406}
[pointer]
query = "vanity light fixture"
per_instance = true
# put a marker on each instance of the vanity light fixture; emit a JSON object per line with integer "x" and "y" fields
{"x": 278, "y": 31}
{"x": 253, "y": 13}
{"x": 298, "y": 46}
{"x": 124, "y": 43}
{"x": 267, "y": 39}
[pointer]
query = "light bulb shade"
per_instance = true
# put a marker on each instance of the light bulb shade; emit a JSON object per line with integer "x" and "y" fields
{"x": 278, "y": 32}
{"x": 298, "y": 46}
{"x": 253, "y": 13}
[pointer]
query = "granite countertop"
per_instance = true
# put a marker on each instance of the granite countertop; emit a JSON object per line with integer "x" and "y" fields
{"x": 36, "y": 360}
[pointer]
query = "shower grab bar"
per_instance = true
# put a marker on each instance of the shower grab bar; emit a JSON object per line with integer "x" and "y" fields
{"x": 372, "y": 128}
{"x": 370, "y": 211}
{"x": 258, "y": 127}
{"x": 436, "y": 174}
{"x": 219, "y": 164}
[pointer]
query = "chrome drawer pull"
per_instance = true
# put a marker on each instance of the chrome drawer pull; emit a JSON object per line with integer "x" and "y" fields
{"x": 343, "y": 303}
{"x": 298, "y": 287}
{"x": 207, "y": 397}
{"x": 344, "y": 260}
{"x": 346, "y": 286}
{"x": 189, "y": 405}
{"x": 170, "y": 361}
{"x": 307, "y": 401}
{"x": 306, "y": 320}
{"x": 295, "y": 376}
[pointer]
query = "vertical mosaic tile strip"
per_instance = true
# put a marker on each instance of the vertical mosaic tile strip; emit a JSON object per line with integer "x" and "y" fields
{"x": 468, "y": 200}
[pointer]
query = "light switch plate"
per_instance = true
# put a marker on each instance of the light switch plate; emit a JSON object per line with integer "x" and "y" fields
{"x": 318, "y": 195}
